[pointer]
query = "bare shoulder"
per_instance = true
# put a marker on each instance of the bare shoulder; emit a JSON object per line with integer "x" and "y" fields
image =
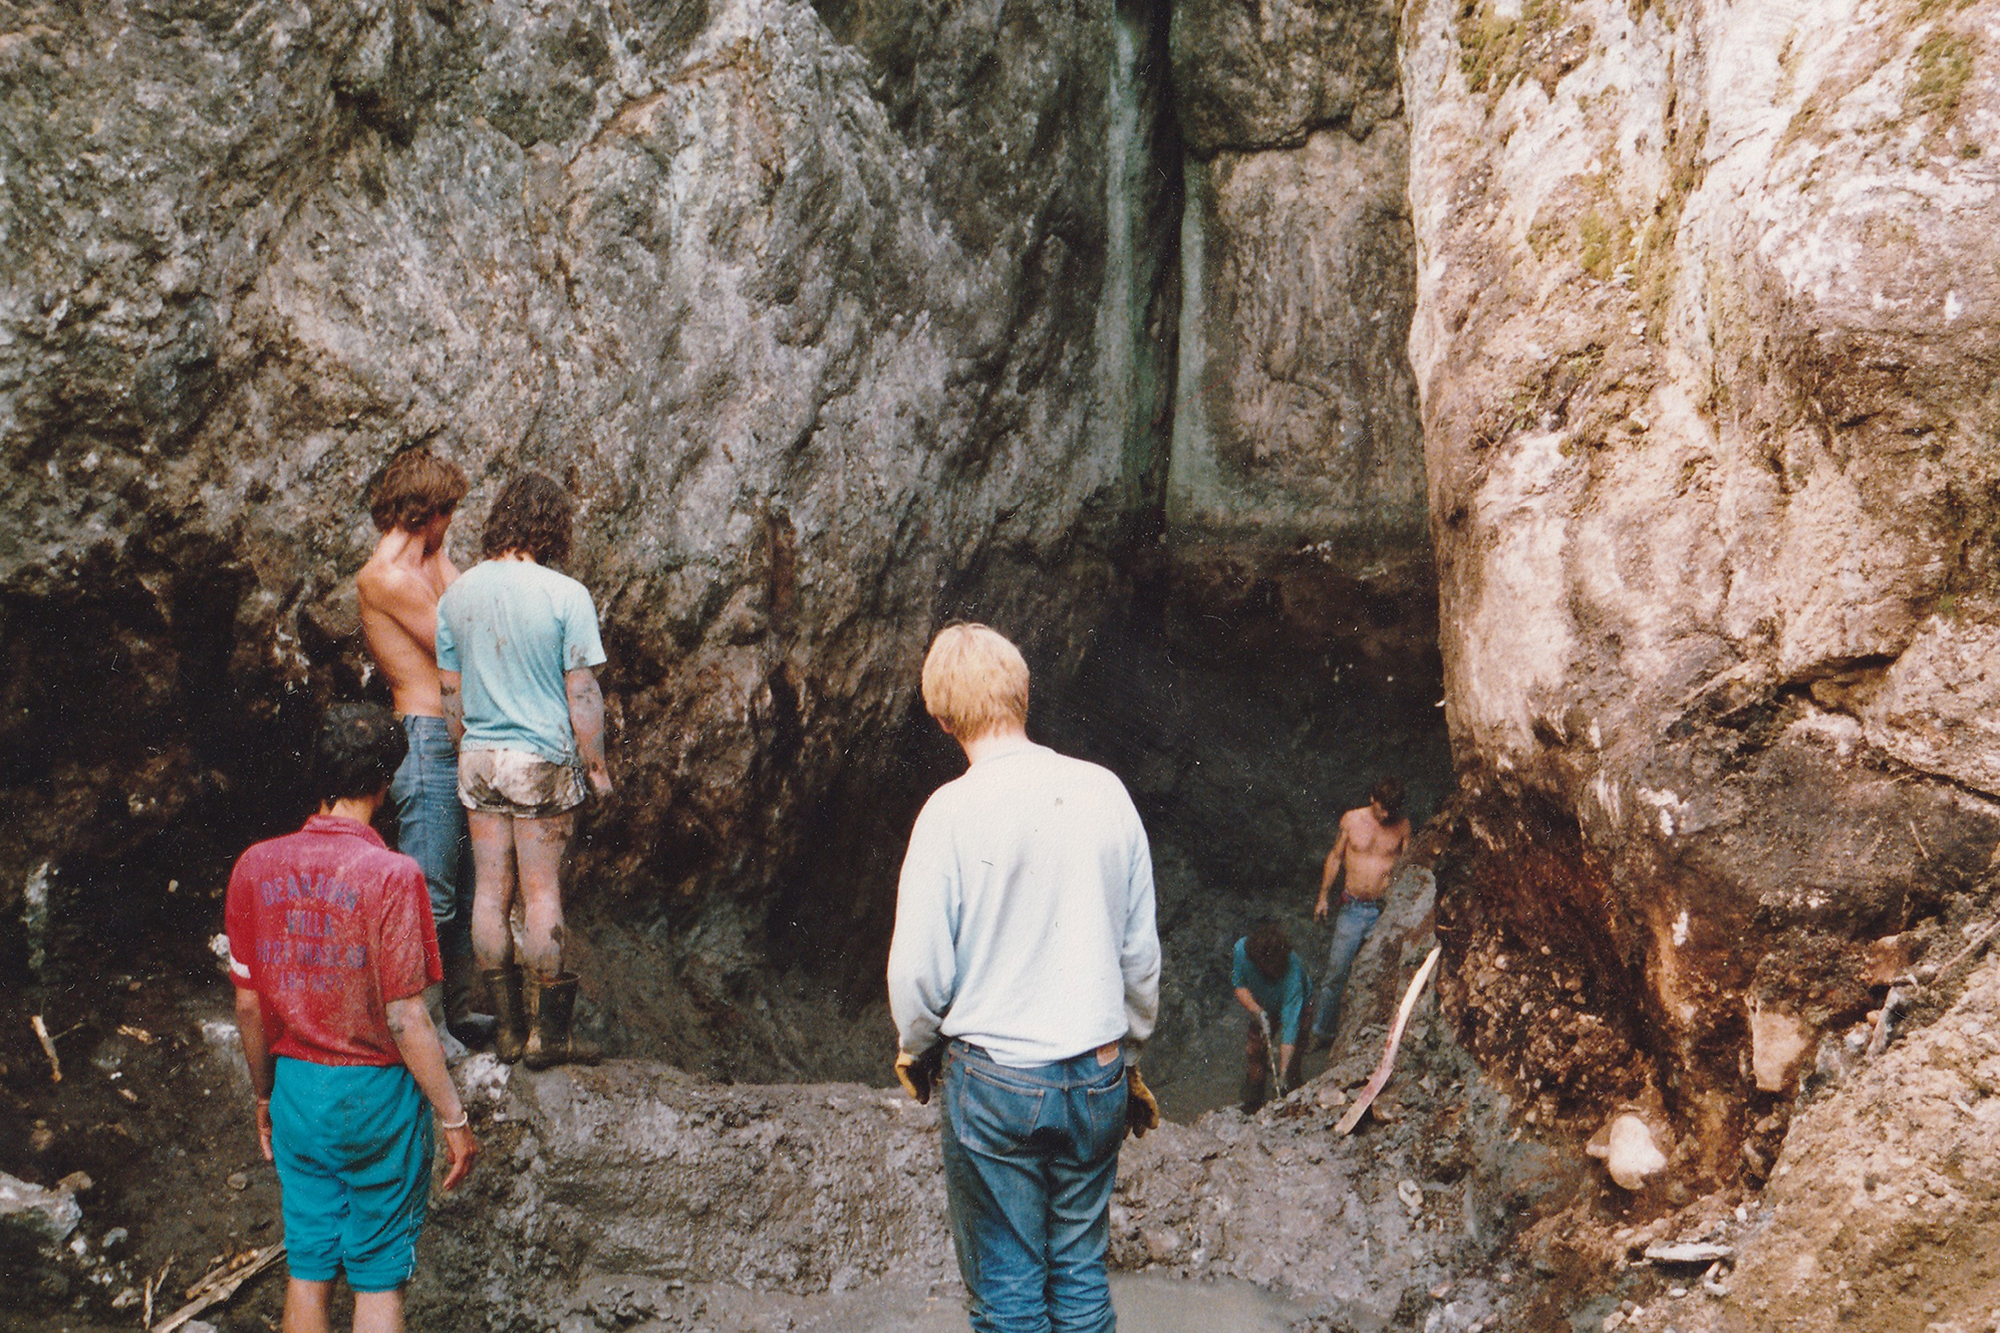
{"x": 1351, "y": 821}
{"x": 383, "y": 583}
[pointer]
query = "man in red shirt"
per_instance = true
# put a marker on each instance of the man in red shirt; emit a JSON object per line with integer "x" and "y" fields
{"x": 331, "y": 945}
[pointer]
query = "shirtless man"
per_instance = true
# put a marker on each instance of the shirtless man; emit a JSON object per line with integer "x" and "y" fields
{"x": 1372, "y": 840}
{"x": 400, "y": 586}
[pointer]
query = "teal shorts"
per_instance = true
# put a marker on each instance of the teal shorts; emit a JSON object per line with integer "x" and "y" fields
{"x": 353, "y": 1145}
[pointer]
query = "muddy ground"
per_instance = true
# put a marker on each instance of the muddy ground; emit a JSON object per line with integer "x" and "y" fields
{"x": 637, "y": 1195}
{"x": 640, "y": 1196}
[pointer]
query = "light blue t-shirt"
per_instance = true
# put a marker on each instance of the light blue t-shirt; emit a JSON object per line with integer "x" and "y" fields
{"x": 1285, "y": 998}
{"x": 512, "y": 628}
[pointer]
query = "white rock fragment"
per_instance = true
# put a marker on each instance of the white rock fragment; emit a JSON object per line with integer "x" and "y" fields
{"x": 1628, "y": 1150}
{"x": 1688, "y": 1252}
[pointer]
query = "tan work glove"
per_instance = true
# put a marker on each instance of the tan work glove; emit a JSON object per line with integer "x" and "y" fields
{"x": 918, "y": 1073}
{"x": 1141, "y": 1111}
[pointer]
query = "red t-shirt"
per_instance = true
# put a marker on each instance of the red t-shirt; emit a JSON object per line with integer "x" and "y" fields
{"x": 328, "y": 925}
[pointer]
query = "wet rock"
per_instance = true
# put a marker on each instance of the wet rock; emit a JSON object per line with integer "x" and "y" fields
{"x": 1296, "y": 415}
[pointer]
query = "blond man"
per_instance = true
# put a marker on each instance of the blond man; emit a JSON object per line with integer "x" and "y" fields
{"x": 1023, "y": 975}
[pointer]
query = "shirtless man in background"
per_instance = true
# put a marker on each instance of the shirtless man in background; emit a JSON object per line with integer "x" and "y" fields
{"x": 1372, "y": 840}
{"x": 400, "y": 586}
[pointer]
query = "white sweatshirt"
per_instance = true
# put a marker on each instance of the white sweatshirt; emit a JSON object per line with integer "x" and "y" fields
{"x": 1024, "y": 916}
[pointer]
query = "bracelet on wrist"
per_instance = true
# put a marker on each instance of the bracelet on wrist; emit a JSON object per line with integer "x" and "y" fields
{"x": 464, "y": 1119}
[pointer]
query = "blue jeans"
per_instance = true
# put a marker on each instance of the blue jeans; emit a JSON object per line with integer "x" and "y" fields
{"x": 1029, "y": 1159}
{"x": 1350, "y": 931}
{"x": 430, "y": 827}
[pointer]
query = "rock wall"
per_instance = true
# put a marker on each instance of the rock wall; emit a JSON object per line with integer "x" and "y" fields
{"x": 1706, "y": 338}
{"x": 837, "y": 322}
{"x": 1296, "y": 413}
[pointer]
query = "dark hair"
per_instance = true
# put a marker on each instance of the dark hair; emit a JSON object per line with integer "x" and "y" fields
{"x": 1388, "y": 793}
{"x": 416, "y": 488}
{"x": 531, "y": 514}
{"x": 1268, "y": 950}
{"x": 359, "y": 748}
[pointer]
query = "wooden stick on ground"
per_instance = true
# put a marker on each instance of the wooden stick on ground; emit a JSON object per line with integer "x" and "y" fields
{"x": 156, "y": 1283}
{"x": 48, "y": 1047}
{"x": 219, "y": 1285}
{"x": 1382, "y": 1071}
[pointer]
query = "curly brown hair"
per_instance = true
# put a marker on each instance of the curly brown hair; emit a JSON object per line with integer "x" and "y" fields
{"x": 1268, "y": 950}
{"x": 415, "y": 488}
{"x": 532, "y": 514}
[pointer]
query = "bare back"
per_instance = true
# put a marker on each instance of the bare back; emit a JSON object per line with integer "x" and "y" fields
{"x": 1370, "y": 848}
{"x": 400, "y": 586}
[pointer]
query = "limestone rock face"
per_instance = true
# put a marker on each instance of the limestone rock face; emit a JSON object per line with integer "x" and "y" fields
{"x": 825, "y": 316}
{"x": 1705, "y": 335}
{"x": 1296, "y": 413}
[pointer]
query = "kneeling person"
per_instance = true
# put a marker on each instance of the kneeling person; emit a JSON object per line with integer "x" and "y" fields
{"x": 517, "y": 648}
{"x": 331, "y": 947}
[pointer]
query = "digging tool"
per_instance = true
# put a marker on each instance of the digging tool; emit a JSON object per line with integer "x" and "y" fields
{"x": 1271, "y": 1056}
{"x": 1382, "y": 1071}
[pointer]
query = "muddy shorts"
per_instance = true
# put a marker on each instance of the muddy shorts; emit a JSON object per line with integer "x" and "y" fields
{"x": 514, "y": 782}
{"x": 353, "y": 1145}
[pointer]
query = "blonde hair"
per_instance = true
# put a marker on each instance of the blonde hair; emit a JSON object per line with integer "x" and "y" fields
{"x": 975, "y": 681}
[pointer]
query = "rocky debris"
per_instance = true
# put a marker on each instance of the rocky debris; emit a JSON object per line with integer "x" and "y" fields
{"x": 33, "y": 1216}
{"x": 1879, "y": 1212}
{"x": 1695, "y": 1252}
{"x": 1699, "y": 312}
{"x": 632, "y": 1192}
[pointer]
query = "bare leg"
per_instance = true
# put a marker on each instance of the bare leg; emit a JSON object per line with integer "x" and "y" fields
{"x": 540, "y": 848}
{"x": 378, "y": 1311}
{"x": 493, "y": 892}
{"x": 307, "y": 1306}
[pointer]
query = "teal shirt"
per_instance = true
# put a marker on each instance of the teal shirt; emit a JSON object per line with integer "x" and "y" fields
{"x": 1286, "y": 998}
{"x": 512, "y": 629}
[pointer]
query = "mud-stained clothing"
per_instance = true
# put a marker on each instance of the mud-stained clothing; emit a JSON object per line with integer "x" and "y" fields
{"x": 1030, "y": 1158}
{"x": 1024, "y": 915}
{"x": 328, "y": 926}
{"x": 512, "y": 629}
{"x": 514, "y": 782}
{"x": 1284, "y": 999}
